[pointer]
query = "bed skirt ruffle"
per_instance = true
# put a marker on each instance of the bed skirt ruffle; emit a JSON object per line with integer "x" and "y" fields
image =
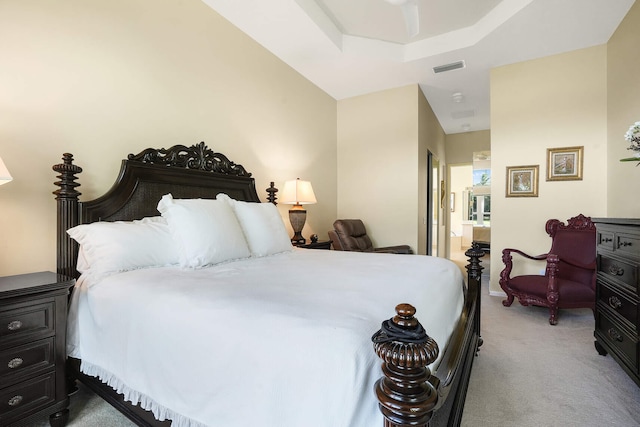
{"x": 160, "y": 412}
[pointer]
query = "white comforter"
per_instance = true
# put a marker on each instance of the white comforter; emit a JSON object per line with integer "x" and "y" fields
{"x": 279, "y": 341}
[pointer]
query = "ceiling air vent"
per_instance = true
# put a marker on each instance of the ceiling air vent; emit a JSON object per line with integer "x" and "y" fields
{"x": 448, "y": 67}
{"x": 463, "y": 114}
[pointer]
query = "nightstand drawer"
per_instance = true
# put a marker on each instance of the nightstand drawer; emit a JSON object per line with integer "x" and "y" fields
{"x": 623, "y": 343}
{"x": 617, "y": 302}
{"x": 26, "y": 397}
{"x": 27, "y": 320}
{"x": 18, "y": 362}
{"x": 619, "y": 270}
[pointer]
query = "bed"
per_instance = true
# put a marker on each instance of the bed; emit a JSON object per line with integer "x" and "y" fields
{"x": 263, "y": 334}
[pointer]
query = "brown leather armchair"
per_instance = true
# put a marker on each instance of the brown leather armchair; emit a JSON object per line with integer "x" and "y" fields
{"x": 351, "y": 235}
{"x": 570, "y": 277}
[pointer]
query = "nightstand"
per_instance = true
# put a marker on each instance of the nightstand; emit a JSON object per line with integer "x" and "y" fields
{"x": 33, "y": 314}
{"x": 316, "y": 245}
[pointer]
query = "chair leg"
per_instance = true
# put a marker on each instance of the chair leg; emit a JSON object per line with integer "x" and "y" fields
{"x": 509, "y": 300}
{"x": 553, "y": 316}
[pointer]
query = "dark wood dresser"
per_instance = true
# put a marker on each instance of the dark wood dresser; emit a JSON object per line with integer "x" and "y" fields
{"x": 617, "y": 296}
{"x": 33, "y": 313}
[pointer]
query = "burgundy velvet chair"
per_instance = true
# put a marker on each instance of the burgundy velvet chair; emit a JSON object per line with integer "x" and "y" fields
{"x": 570, "y": 277}
{"x": 351, "y": 235}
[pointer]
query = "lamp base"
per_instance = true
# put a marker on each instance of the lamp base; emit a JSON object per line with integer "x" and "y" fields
{"x": 297, "y": 217}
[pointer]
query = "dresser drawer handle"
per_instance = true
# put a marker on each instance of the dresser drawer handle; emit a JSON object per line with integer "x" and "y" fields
{"x": 625, "y": 244}
{"x": 615, "y": 302}
{"x": 15, "y": 325}
{"x": 614, "y": 335}
{"x": 15, "y": 363}
{"x": 615, "y": 270}
{"x": 607, "y": 239}
{"x": 15, "y": 400}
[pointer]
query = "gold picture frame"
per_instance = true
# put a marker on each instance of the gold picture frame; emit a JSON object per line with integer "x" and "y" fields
{"x": 564, "y": 164}
{"x": 522, "y": 181}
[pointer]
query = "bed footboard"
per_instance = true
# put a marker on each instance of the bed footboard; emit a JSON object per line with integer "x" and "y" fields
{"x": 409, "y": 394}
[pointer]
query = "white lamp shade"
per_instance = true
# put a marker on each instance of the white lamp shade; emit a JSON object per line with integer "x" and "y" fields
{"x": 5, "y": 176}
{"x": 297, "y": 192}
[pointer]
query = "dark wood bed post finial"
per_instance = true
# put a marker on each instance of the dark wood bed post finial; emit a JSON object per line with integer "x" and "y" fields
{"x": 405, "y": 395}
{"x": 67, "y": 198}
{"x": 272, "y": 190}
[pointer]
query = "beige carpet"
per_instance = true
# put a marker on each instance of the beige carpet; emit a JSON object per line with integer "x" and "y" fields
{"x": 528, "y": 373}
{"x": 531, "y": 374}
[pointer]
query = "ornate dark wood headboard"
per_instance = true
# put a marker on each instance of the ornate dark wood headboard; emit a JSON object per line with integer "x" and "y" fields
{"x": 185, "y": 172}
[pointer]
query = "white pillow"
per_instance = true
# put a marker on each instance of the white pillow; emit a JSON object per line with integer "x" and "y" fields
{"x": 110, "y": 247}
{"x": 262, "y": 226}
{"x": 205, "y": 231}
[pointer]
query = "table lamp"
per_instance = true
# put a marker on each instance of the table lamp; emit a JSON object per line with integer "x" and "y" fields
{"x": 297, "y": 193}
{"x": 5, "y": 176}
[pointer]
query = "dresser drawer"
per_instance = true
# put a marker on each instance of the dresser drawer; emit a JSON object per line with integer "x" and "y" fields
{"x": 617, "y": 302}
{"x": 628, "y": 244}
{"x": 622, "y": 342}
{"x": 25, "y": 397}
{"x": 23, "y": 360}
{"x": 604, "y": 240}
{"x": 624, "y": 272}
{"x": 25, "y": 321}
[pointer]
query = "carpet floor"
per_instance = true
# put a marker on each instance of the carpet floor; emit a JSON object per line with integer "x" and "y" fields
{"x": 531, "y": 374}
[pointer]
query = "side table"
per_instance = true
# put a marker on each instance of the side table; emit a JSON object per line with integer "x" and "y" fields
{"x": 316, "y": 245}
{"x": 33, "y": 322}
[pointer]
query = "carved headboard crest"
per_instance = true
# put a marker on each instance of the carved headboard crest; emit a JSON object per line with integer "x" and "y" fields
{"x": 197, "y": 156}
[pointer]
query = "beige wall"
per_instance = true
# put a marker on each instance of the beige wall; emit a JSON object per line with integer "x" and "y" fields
{"x": 383, "y": 140}
{"x": 623, "y": 104}
{"x": 377, "y": 148}
{"x": 101, "y": 79}
{"x": 557, "y": 101}
{"x": 461, "y": 146}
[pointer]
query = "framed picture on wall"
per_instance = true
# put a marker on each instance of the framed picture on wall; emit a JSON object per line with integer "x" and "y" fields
{"x": 522, "y": 181}
{"x": 564, "y": 164}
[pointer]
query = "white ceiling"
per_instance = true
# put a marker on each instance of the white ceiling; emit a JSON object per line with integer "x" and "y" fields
{"x": 353, "y": 47}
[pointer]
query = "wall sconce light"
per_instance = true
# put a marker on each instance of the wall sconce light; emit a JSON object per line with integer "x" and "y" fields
{"x": 5, "y": 176}
{"x": 297, "y": 193}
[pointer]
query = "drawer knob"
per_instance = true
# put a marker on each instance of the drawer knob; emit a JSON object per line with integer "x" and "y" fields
{"x": 615, "y": 270}
{"x": 15, "y": 400}
{"x": 614, "y": 335}
{"x": 625, "y": 244}
{"x": 615, "y": 302}
{"x": 15, "y": 325}
{"x": 607, "y": 239}
{"x": 15, "y": 363}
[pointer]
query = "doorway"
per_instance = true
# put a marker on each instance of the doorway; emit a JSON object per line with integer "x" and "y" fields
{"x": 460, "y": 223}
{"x": 433, "y": 204}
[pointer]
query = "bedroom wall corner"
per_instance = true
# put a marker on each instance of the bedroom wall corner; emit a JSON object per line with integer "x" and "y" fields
{"x": 102, "y": 79}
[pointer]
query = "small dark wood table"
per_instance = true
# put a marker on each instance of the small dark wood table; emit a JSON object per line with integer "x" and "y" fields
{"x": 316, "y": 245}
{"x": 33, "y": 323}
